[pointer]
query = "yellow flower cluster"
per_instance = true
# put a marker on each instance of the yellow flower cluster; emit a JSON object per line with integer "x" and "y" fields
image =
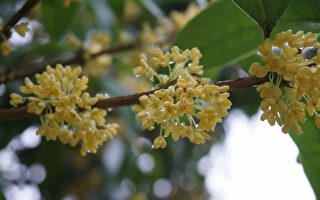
{"x": 66, "y": 109}
{"x": 5, "y": 47}
{"x": 97, "y": 65}
{"x": 190, "y": 107}
{"x": 187, "y": 61}
{"x": 162, "y": 34}
{"x": 293, "y": 85}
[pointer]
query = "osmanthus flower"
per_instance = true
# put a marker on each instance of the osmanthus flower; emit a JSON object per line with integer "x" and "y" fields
{"x": 66, "y": 110}
{"x": 190, "y": 107}
{"x": 293, "y": 86}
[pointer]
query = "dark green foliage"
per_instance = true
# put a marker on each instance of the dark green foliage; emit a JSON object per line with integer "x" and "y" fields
{"x": 265, "y": 12}
{"x": 228, "y": 37}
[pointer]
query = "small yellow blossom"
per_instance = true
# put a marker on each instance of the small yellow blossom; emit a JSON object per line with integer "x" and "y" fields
{"x": 184, "y": 108}
{"x": 190, "y": 94}
{"x": 147, "y": 36}
{"x": 179, "y": 56}
{"x": 159, "y": 142}
{"x": 22, "y": 29}
{"x": 195, "y": 69}
{"x": 293, "y": 117}
{"x": 186, "y": 81}
{"x": 258, "y": 70}
{"x": 160, "y": 58}
{"x": 131, "y": 10}
{"x": 6, "y": 48}
{"x": 144, "y": 69}
{"x": 15, "y": 99}
{"x": 102, "y": 39}
{"x": 73, "y": 41}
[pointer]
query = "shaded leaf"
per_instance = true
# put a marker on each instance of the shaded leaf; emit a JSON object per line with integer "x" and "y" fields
{"x": 223, "y": 33}
{"x": 117, "y": 6}
{"x": 1, "y": 196}
{"x": 56, "y": 18}
{"x": 300, "y": 15}
{"x": 265, "y": 12}
{"x": 309, "y": 146}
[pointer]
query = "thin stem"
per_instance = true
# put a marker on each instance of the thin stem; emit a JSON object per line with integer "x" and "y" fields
{"x": 161, "y": 129}
{"x": 113, "y": 102}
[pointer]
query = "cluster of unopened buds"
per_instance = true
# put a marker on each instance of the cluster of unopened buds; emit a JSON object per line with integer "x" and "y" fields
{"x": 66, "y": 111}
{"x": 293, "y": 85}
{"x": 185, "y": 104}
{"x": 5, "y": 47}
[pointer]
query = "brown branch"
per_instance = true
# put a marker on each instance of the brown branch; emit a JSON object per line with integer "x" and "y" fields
{"x": 23, "y": 11}
{"x": 78, "y": 58}
{"x": 117, "y": 49}
{"x": 113, "y": 102}
{"x": 8, "y": 114}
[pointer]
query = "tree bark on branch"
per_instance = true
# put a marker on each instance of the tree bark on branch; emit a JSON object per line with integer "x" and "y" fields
{"x": 8, "y": 114}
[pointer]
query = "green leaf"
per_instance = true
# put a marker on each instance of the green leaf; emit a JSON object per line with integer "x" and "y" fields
{"x": 2, "y": 196}
{"x": 300, "y": 15}
{"x": 223, "y": 33}
{"x": 117, "y": 6}
{"x": 309, "y": 146}
{"x": 56, "y": 18}
{"x": 265, "y": 12}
